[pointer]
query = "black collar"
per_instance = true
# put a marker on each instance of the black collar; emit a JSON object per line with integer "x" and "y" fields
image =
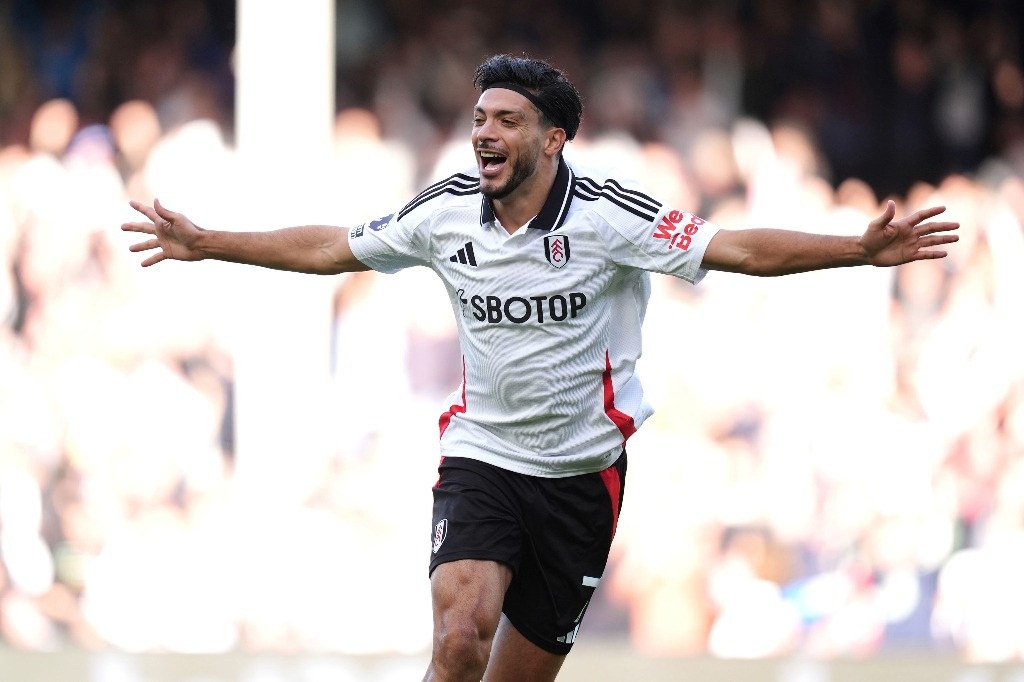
{"x": 555, "y": 208}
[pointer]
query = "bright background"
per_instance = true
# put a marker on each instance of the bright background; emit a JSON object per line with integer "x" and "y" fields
{"x": 206, "y": 458}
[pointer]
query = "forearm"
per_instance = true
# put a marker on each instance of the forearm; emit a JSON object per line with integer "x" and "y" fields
{"x": 310, "y": 249}
{"x": 765, "y": 252}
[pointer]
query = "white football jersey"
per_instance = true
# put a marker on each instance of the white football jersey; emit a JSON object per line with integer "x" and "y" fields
{"x": 549, "y": 317}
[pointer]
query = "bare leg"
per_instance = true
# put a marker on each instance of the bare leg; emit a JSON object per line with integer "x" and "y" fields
{"x": 467, "y": 597}
{"x": 516, "y": 659}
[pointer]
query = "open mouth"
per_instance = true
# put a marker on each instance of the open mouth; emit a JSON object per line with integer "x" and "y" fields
{"x": 491, "y": 162}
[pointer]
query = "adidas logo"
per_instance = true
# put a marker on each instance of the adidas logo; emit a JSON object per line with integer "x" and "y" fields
{"x": 465, "y": 255}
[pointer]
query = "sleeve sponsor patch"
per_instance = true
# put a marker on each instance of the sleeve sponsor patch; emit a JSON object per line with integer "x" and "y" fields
{"x": 677, "y": 229}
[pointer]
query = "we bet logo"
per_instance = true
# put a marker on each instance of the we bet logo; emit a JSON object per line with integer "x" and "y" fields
{"x": 677, "y": 229}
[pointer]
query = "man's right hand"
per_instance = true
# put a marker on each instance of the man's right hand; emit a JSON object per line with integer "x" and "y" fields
{"x": 175, "y": 235}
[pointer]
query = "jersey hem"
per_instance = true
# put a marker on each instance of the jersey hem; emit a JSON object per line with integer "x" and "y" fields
{"x": 591, "y": 465}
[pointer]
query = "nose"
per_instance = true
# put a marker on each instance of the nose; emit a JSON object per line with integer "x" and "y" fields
{"x": 485, "y": 130}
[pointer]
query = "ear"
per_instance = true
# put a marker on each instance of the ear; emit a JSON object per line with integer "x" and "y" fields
{"x": 554, "y": 141}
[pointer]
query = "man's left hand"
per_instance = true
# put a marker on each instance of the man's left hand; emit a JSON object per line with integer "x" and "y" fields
{"x": 890, "y": 242}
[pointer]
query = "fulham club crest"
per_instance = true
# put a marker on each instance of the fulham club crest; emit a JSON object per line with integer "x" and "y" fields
{"x": 556, "y": 249}
{"x": 440, "y": 533}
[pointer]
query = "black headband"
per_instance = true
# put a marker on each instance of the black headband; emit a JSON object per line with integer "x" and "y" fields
{"x": 537, "y": 101}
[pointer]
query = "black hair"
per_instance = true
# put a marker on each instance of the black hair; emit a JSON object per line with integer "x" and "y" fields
{"x": 561, "y": 100}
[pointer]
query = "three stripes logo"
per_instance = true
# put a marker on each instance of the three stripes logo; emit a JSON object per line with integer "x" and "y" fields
{"x": 465, "y": 255}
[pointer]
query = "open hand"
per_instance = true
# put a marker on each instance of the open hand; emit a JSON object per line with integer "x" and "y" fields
{"x": 174, "y": 234}
{"x": 894, "y": 242}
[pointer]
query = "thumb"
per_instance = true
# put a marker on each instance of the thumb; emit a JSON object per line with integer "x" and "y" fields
{"x": 887, "y": 215}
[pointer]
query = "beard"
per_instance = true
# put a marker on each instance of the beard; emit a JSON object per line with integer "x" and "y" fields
{"x": 522, "y": 169}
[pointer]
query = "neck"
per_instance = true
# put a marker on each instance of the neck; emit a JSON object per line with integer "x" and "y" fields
{"x": 519, "y": 207}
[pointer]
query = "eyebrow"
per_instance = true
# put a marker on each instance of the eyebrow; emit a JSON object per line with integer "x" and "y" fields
{"x": 502, "y": 112}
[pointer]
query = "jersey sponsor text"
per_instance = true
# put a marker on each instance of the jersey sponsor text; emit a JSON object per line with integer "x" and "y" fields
{"x": 521, "y": 309}
{"x": 668, "y": 229}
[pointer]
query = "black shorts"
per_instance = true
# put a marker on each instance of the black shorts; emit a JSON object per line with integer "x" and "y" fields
{"x": 555, "y": 534}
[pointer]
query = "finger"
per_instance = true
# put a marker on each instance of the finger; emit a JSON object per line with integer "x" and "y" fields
{"x": 154, "y": 259}
{"x": 144, "y": 210}
{"x": 144, "y": 246}
{"x": 928, "y": 255}
{"x": 925, "y": 248}
{"x": 932, "y": 228}
{"x": 163, "y": 212}
{"x": 146, "y": 228}
{"x": 937, "y": 240}
{"x": 924, "y": 214}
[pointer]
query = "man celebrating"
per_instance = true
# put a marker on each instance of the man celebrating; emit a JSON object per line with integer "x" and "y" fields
{"x": 546, "y": 265}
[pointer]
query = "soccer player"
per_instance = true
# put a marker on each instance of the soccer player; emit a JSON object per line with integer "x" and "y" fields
{"x": 546, "y": 265}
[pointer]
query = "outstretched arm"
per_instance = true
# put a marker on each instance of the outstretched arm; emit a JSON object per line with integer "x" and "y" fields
{"x": 316, "y": 249}
{"x": 886, "y": 242}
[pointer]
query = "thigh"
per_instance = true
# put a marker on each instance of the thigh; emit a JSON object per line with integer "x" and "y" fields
{"x": 469, "y": 591}
{"x": 570, "y": 525}
{"x": 476, "y": 515}
{"x": 516, "y": 659}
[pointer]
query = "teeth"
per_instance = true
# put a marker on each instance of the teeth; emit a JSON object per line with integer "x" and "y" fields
{"x": 491, "y": 155}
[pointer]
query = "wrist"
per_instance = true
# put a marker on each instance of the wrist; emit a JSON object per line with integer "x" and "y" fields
{"x": 203, "y": 244}
{"x": 862, "y": 253}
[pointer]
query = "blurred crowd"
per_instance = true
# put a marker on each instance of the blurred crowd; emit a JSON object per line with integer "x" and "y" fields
{"x": 836, "y": 464}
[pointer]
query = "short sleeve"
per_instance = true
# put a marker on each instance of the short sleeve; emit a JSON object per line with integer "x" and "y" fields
{"x": 392, "y": 243}
{"x": 673, "y": 243}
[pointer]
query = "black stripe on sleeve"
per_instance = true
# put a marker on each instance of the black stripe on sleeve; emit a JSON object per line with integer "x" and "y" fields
{"x": 621, "y": 199}
{"x": 458, "y": 184}
{"x": 639, "y": 197}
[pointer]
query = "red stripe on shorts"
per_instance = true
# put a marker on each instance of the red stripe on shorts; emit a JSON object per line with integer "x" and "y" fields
{"x": 613, "y": 484}
{"x": 438, "y": 481}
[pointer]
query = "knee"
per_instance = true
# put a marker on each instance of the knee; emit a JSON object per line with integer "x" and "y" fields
{"x": 467, "y": 597}
{"x": 462, "y": 645}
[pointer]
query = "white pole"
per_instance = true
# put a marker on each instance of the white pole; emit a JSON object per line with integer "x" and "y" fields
{"x": 284, "y": 123}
